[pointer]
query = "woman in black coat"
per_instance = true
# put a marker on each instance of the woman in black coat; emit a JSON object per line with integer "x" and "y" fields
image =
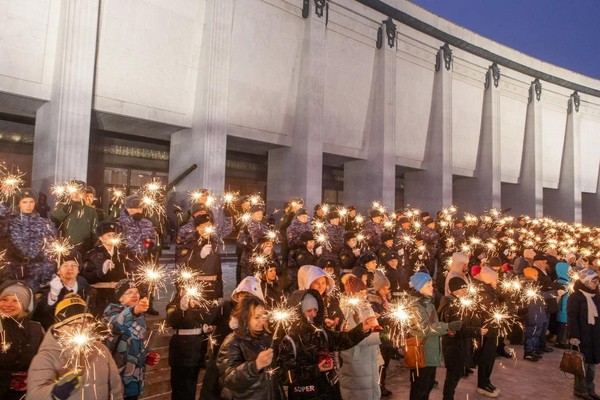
{"x": 584, "y": 329}
{"x": 246, "y": 354}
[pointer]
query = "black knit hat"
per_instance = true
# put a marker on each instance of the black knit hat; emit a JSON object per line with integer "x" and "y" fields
{"x": 105, "y": 227}
{"x": 122, "y": 286}
{"x": 333, "y": 215}
{"x": 457, "y": 283}
{"x": 70, "y": 308}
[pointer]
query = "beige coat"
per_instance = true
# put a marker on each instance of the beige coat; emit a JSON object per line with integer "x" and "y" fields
{"x": 100, "y": 381}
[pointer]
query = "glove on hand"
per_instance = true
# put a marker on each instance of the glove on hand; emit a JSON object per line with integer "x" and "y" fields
{"x": 206, "y": 250}
{"x": 66, "y": 384}
{"x": 454, "y": 326}
{"x": 108, "y": 265}
{"x": 55, "y": 287}
{"x": 152, "y": 358}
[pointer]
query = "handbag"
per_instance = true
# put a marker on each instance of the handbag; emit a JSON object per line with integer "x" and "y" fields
{"x": 573, "y": 362}
{"x": 414, "y": 353}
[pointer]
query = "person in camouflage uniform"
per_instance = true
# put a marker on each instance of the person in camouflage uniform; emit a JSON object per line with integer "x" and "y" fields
{"x": 431, "y": 238}
{"x": 289, "y": 213}
{"x": 299, "y": 225}
{"x": 335, "y": 236}
{"x": 387, "y": 246}
{"x": 28, "y": 236}
{"x": 373, "y": 230}
{"x": 75, "y": 220}
{"x": 252, "y": 234}
{"x": 187, "y": 231}
{"x": 138, "y": 233}
{"x": 319, "y": 214}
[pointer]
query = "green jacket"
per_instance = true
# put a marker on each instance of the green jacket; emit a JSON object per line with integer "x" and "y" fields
{"x": 431, "y": 330}
{"x": 77, "y": 222}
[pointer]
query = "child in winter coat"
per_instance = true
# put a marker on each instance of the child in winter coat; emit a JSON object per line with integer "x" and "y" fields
{"x": 423, "y": 379}
{"x": 563, "y": 278}
{"x": 457, "y": 347}
{"x": 534, "y": 321}
{"x": 359, "y": 372}
{"x": 304, "y": 353}
{"x": 128, "y": 324}
{"x": 378, "y": 298}
{"x": 246, "y": 355}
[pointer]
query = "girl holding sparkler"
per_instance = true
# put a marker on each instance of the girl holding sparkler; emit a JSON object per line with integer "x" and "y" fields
{"x": 246, "y": 355}
{"x": 305, "y": 353}
{"x": 423, "y": 379}
{"x": 127, "y": 322}
{"x": 20, "y": 338}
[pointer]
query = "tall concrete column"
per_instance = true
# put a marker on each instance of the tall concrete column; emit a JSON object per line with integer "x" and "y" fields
{"x": 482, "y": 192}
{"x": 62, "y": 126}
{"x": 591, "y": 206}
{"x": 375, "y": 178}
{"x": 431, "y": 189}
{"x": 527, "y": 197}
{"x": 298, "y": 170}
{"x": 205, "y": 144}
{"x": 565, "y": 203}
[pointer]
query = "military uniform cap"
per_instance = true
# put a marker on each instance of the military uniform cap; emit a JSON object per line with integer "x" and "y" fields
{"x": 27, "y": 193}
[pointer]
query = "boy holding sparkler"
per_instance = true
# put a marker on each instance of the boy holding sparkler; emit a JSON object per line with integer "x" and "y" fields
{"x": 535, "y": 318}
{"x": 66, "y": 281}
{"x": 72, "y": 363}
{"x": 459, "y": 305}
{"x": 349, "y": 254}
{"x": 189, "y": 316}
{"x": 106, "y": 264}
{"x": 127, "y": 322}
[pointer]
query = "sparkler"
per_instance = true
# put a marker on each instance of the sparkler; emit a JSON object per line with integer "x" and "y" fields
{"x": 229, "y": 198}
{"x": 530, "y": 293}
{"x": 404, "y": 318}
{"x": 196, "y": 292}
{"x": 64, "y": 191}
{"x": 117, "y": 195}
{"x": 60, "y": 248}
{"x": 79, "y": 341}
{"x": 282, "y": 317}
{"x": 153, "y": 276}
{"x": 184, "y": 275}
{"x": 10, "y": 183}
{"x": 501, "y": 319}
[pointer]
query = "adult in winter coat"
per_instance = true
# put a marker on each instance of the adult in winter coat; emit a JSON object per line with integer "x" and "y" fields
{"x": 359, "y": 373}
{"x": 127, "y": 322}
{"x": 75, "y": 220}
{"x": 105, "y": 265}
{"x": 458, "y": 269}
{"x": 52, "y": 374}
{"x": 423, "y": 380}
{"x": 27, "y": 235}
{"x": 304, "y": 354}
{"x": 23, "y": 335}
{"x": 246, "y": 355}
{"x": 584, "y": 329}
{"x": 66, "y": 280}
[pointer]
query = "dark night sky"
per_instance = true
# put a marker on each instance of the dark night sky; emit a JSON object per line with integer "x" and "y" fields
{"x": 565, "y": 33}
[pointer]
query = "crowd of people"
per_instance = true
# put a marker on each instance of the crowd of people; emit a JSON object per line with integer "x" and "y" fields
{"x": 316, "y": 320}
